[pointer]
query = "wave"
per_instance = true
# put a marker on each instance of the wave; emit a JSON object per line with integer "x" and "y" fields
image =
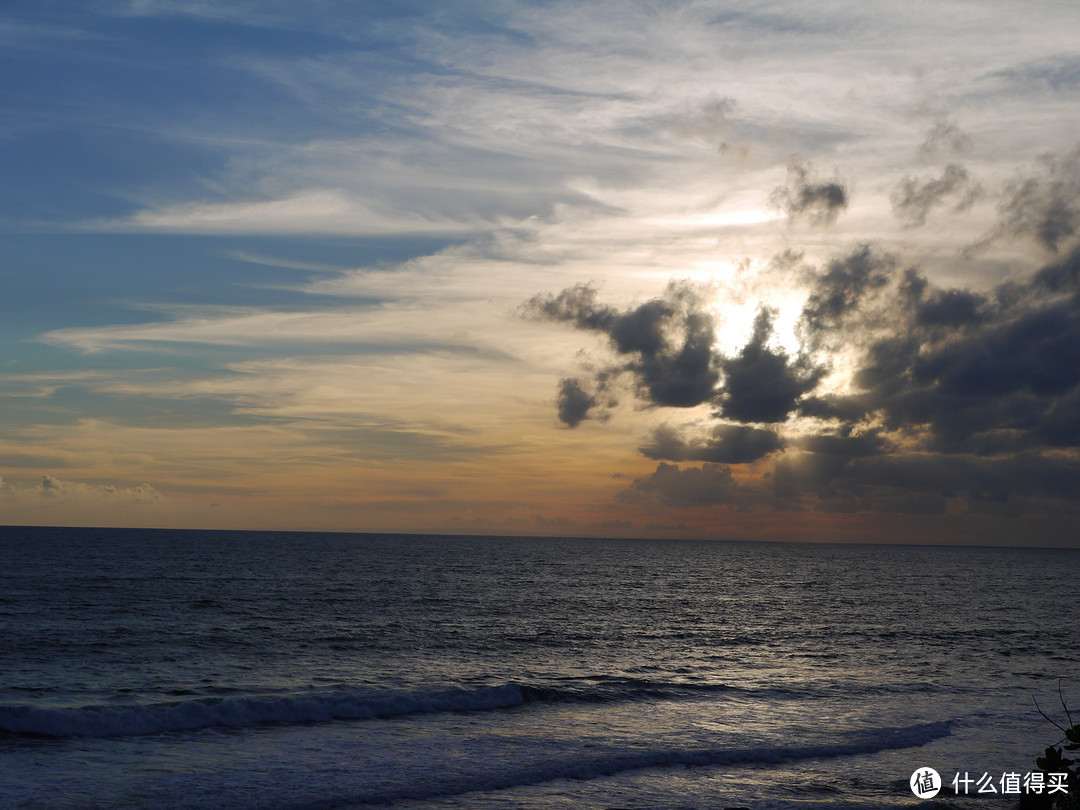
{"x": 240, "y": 711}
{"x": 614, "y": 762}
{"x": 346, "y": 704}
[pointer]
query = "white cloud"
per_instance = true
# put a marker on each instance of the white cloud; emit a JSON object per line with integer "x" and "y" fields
{"x": 321, "y": 211}
{"x": 459, "y": 131}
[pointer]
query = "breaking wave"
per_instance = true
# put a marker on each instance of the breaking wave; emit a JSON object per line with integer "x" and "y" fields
{"x": 138, "y": 719}
{"x": 238, "y": 712}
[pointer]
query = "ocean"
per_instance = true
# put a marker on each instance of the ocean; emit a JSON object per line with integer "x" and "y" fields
{"x": 181, "y": 669}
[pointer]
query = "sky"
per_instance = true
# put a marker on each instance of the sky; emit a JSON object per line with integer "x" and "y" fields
{"x": 770, "y": 270}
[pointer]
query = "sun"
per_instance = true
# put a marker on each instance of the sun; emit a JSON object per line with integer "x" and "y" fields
{"x": 735, "y": 322}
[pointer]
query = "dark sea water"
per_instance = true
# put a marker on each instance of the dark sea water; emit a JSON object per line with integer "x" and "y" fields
{"x": 172, "y": 669}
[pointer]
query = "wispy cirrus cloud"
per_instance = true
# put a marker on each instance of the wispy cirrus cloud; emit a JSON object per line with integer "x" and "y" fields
{"x": 324, "y": 211}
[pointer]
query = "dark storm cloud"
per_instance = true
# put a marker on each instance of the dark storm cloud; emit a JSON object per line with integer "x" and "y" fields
{"x": 847, "y": 409}
{"x": 957, "y": 399}
{"x": 843, "y": 286}
{"x": 576, "y": 305}
{"x": 1062, "y": 276}
{"x": 912, "y": 199}
{"x": 969, "y": 373}
{"x": 1037, "y": 352}
{"x": 708, "y": 485}
{"x": 1060, "y": 422}
{"x": 980, "y": 391}
{"x": 924, "y": 482}
{"x": 885, "y": 365}
{"x": 986, "y": 479}
{"x": 1045, "y": 206}
{"x": 1012, "y": 408}
{"x": 822, "y": 464}
{"x": 857, "y": 499}
{"x": 728, "y": 444}
{"x": 950, "y": 308}
{"x": 574, "y": 402}
{"x": 762, "y": 384}
{"x": 681, "y": 375}
{"x": 667, "y": 342}
{"x": 844, "y": 445}
{"x": 819, "y": 201}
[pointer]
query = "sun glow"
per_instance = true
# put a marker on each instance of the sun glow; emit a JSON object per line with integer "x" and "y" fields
{"x": 718, "y": 218}
{"x": 735, "y": 324}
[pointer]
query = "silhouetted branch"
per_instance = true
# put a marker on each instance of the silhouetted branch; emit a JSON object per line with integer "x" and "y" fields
{"x": 1051, "y": 722}
{"x": 1061, "y": 697}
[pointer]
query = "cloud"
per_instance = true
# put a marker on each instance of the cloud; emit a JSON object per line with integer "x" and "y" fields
{"x": 669, "y": 349}
{"x": 574, "y": 403}
{"x": 844, "y": 445}
{"x": 819, "y": 201}
{"x": 843, "y": 287}
{"x": 1046, "y": 205}
{"x": 727, "y": 444}
{"x": 667, "y": 342}
{"x": 379, "y": 327}
{"x": 950, "y": 308}
{"x": 312, "y": 211}
{"x": 707, "y": 121}
{"x": 576, "y": 305}
{"x": 912, "y": 199}
{"x": 845, "y": 408}
{"x": 961, "y": 372}
{"x": 1059, "y": 277}
{"x": 984, "y": 479}
{"x": 865, "y": 476}
{"x": 52, "y": 489}
{"x": 981, "y": 374}
{"x": 832, "y": 482}
{"x": 945, "y": 138}
{"x": 708, "y": 485}
{"x": 947, "y": 397}
{"x": 1011, "y": 485}
{"x": 762, "y": 384}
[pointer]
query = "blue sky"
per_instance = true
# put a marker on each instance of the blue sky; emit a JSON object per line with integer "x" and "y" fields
{"x": 596, "y": 268}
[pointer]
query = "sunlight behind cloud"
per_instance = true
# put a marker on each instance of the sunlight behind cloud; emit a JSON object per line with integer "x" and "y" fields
{"x": 735, "y": 323}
